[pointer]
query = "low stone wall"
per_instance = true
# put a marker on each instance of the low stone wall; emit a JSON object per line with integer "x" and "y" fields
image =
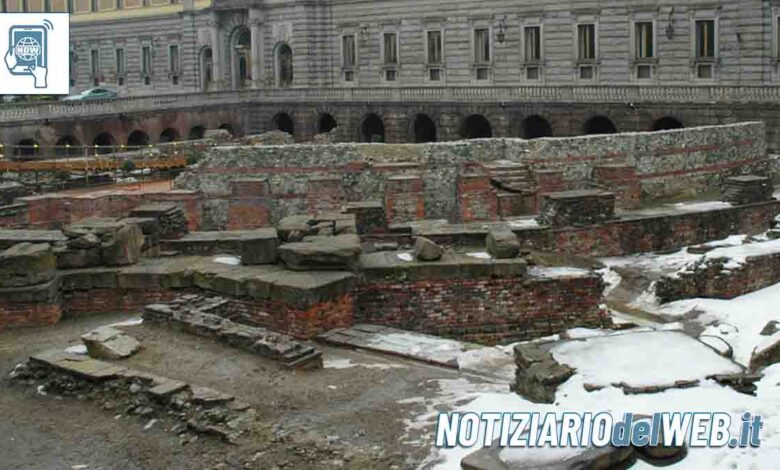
{"x": 477, "y": 300}
{"x": 54, "y": 210}
{"x": 452, "y": 180}
{"x": 721, "y": 279}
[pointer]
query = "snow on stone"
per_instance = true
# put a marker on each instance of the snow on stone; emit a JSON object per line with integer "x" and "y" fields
{"x": 227, "y": 259}
{"x": 346, "y": 364}
{"x": 740, "y": 253}
{"x": 497, "y": 362}
{"x": 405, "y": 256}
{"x": 717, "y": 343}
{"x": 557, "y": 272}
{"x": 79, "y": 349}
{"x": 767, "y": 343}
{"x": 419, "y": 346}
{"x": 583, "y": 333}
{"x": 700, "y": 206}
{"x": 131, "y": 322}
{"x": 526, "y": 457}
{"x": 615, "y": 359}
{"x": 480, "y": 255}
{"x": 524, "y": 223}
{"x": 738, "y": 321}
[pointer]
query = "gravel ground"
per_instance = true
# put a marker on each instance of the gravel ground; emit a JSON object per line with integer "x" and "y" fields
{"x": 346, "y": 417}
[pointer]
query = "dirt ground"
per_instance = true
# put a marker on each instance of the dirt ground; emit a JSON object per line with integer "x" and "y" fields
{"x": 336, "y": 417}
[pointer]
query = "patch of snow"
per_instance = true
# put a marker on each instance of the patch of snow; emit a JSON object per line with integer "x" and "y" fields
{"x": 701, "y": 206}
{"x": 767, "y": 343}
{"x": 538, "y": 456}
{"x": 611, "y": 278}
{"x": 739, "y": 321}
{"x": 480, "y": 255}
{"x": 150, "y": 424}
{"x": 524, "y": 223}
{"x": 557, "y": 272}
{"x": 717, "y": 343}
{"x": 227, "y": 259}
{"x": 405, "y": 256}
{"x": 79, "y": 349}
{"x": 419, "y": 346}
{"x": 739, "y": 254}
{"x": 131, "y": 322}
{"x": 615, "y": 359}
{"x": 584, "y": 333}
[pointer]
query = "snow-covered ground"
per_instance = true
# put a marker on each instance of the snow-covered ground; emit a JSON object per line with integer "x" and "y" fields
{"x": 650, "y": 355}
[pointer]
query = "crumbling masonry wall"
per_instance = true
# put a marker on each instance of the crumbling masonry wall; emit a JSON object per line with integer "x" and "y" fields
{"x": 441, "y": 180}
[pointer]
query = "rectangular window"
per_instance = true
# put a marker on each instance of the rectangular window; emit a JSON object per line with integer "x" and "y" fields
{"x": 586, "y": 42}
{"x": 705, "y": 39}
{"x": 95, "y": 64}
{"x": 390, "y": 47}
{"x": 533, "y": 43}
{"x": 643, "y": 36}
{"x": 435, "y": 47}
{"x": 482, "y": 45}
{"x": 73, "y": 67}
{"x": 173, "y": 59}
{"x": 777, "y": 38}
{"x": 146, "y": 64}
{"x": 349, "y": 51}
{"x": 120, "y": 67}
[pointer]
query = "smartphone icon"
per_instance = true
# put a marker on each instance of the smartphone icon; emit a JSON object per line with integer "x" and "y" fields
{"x": 28, "y": 45}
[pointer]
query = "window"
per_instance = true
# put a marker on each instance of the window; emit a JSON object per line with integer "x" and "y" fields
{"x": 173, "y": 63}
{"x": 349, "y": 56}
{"x": 644, "y": 49}
{"x": 390, "y": 55}
{"x": 93, "y": 6}
{"x": 434, "y": 54}
{"x": 390, "y": 48}
{"x": 146, "y": 64}
{"x": 482, "y": 46}
{"x": 73, "y": 67}
{"x": 434, "y": 47}
{"x": 95, "y": 64}
{"x": 586, "y": 51}
{"x": 532, "y": 51}
{"x": 3, "y": 6}
{"x": 705, "y": 49}
{"x": 47, "y": 6}
{"x": 120, "y": 67}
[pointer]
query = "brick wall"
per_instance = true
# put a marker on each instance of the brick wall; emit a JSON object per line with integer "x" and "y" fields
{"x": 26, "y": 314}
{"x": 714, "y": 280}
{"x": 486, "y": 310}
{"x": 82, "y": 302}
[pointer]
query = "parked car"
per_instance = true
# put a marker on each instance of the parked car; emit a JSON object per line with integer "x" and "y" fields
{"x": 92, "y": 94}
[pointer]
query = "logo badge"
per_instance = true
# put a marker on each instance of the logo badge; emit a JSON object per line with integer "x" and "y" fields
{"x": 35, "y": 52}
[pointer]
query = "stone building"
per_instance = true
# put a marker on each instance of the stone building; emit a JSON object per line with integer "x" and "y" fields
{"x": 561, "y": 67}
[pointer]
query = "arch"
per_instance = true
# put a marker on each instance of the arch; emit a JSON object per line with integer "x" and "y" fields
{"x": 372, "y": 129}
{"x": 326, "y": 123}
{"x": 67, "y": 146}
{"x": 137, "y": 139}
{"x": 667, "y": 123}
{"x": 241, "y": 53}
{"x": 228, "y": 127}
{"x": 206, "y": 65}
{"x": 476, "y": 126}
{"x": 423, "y": 129}
{"x": 283, "y": 122}
{"x": 283, "y": 65}
{"x": 196, "y": 133}
{"x": 535, "y": 127}
{"x": 599, "y": 125}
{"x": 104, "y": 143}
{"x": 169, "y": 134}
{"x": 26, "y": 148}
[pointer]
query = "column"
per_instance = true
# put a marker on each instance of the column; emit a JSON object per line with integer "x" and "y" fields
{"x": 256, "y": 29}
{"x": 216, "y": 52}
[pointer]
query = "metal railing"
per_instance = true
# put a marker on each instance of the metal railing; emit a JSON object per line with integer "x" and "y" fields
{"x": 21, "y": 112}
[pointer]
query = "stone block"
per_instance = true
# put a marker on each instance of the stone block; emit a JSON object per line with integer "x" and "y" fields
{"x": 90, "y": 278}
{"x": 748, "y": 189}
{"x": 110, "y": 343}
{"x": 259, "y": 246}
{"x": 45, "y": 293}
{"x": 323, "y": 253}
{"x": 426, "y": 250}
{"x": 304, "y": 289}
{"x": 123, "y": 246}
{"x": 576, "y": 208}
{"x": 502, "y": 244}
{"x": 27, "y": 264}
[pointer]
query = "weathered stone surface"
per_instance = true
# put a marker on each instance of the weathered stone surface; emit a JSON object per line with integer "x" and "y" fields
{"x": 202, "y": 316}
{"x": 322, "y": 253}
{"x": 123, "y": 246}
{"x": 538, "y": 373}
{"x": 26, "y": 264}
{"x": 576, "y": 208}
{"x": 747, "y": 189}
{"x": 742, "y": 382}
{"x": 95, "y": 242}
{"x": 426, "y": 250}
{"x": 259, "y": 246}
{"x": 502, "y": 244}
{"x": 770, "y": 328}
{"x": 9, "y": 238}
{"x": 766, "y": 353}
{"x": 90, "y": 278}
{"x": 110, "y": 343}
{"x": 171, "y": 220}
{"x": 370, "y": 216}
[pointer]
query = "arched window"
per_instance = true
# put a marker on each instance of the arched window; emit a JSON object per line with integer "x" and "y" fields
{"x": 667, "y": 123}
{"x": 535, "y": 127}
{"x": 326, "y": 123}
{"x": 284, "y": 66}
{"x": 242, "y": 58}
{"x": 283, "y": 122}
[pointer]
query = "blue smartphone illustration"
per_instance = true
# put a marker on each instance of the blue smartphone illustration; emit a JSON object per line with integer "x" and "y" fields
{"x": 28, "y": 45}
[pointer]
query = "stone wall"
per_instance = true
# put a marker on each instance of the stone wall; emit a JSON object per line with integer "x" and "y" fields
{"x": 472, "y": 299}
{"x": 441, "y": 180}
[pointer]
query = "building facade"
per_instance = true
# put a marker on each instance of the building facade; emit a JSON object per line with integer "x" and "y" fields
{"x": 555, "y": 60}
